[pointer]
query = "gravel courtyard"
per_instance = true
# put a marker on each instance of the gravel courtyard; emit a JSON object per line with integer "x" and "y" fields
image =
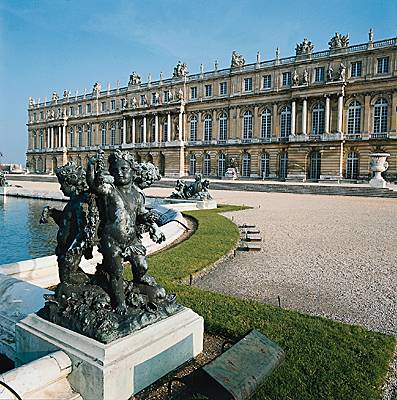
{"x": 325, "y": 255}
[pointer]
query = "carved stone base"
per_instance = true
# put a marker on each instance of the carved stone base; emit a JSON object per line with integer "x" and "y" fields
{"x": 119, "y": 369}
{"x": 378, "y": 183}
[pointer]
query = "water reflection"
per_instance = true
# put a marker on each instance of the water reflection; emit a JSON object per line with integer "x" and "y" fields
{"x": 21, "y": 235}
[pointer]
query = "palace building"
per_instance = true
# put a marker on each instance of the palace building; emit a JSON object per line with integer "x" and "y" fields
{"x": 312, "y": 116}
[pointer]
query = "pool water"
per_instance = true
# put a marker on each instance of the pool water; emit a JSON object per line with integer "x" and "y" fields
{"x": 22, "y": 237}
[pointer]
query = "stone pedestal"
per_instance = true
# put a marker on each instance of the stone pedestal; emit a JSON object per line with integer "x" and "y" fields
{"x": 117, "y": 370}
{"x": 230, "y": 173}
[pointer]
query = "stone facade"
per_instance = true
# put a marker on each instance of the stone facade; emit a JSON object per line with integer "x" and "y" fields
{"x": 316, "y": 115}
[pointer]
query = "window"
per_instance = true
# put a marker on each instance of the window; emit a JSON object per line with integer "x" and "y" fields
{"x": 166, "y": 96}
{"x": 355, "y": 69}
{"x": 247, "y": 125}
{"x": 286, "y": 78}
{"x": 265, "y": 165}
{"x": 266, "y": 124}
{"x": 319, "y": 74}
{"x": 154, "y": 98}
{"x": 383, "y": 65}
{"x": 247, "y": 84}
{"x": 71, "y": 111}
{"x": 246, "y": 172}
{"x": 41, "y": 139}
{"x": 123, "y": 103}
{"x": 267, "y": 82}
{"x": 223, "y": 127}
{"x": 113, "y": 134}
{"x": 285, "y": 121}
{"x": 207, "y": 165}
{"x": 208, "y": 128}
{"x": 153, "y": 132}
{"x": 103, "y": 131}
{"x": 283, "y": 165}
{"x": 354, "y": 118}
{"x": 223, "y": 88}
{"x": 352, "y": 165}
{"x": 221, "y": 164}
{"x": 103, "y": 106}
{"x": 193, "y": 128}
{"x": 143, "y": 99}
{"x": 113, "y": 104}
{"x": 208, "y": 90}
{"x": 193, "y": 92}
{"x": 41, "y": 115}
{"x": 80, "y": 130}
{"x": 71, "y": 137}
{"x": 315, "y": 165}
{"x": 80, "y": 109}
{"x": 380, "y": 116}
{"x": 318, "y": 119}
{"x": 165, "y": 131}
{"x": 192, "y": 165}
{"x": 88, "y": 135}
{"x": 88, "y": 108}
{"x": 34, "y": 117}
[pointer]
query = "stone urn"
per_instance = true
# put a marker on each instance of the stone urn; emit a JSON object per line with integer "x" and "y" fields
{"x": 378, "y": 165}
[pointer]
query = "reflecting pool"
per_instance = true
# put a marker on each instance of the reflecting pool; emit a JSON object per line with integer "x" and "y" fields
{"x": 21, "y": 235}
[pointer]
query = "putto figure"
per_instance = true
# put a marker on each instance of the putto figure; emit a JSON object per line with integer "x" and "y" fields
{"x": 106, "y": 208}
{"x": 197, "y": 190}
{"x": 180, "y": 70}
{"x": 339, "y": 41}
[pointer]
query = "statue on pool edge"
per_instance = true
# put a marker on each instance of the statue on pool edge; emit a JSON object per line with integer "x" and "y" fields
{"x": 106, "y": 208}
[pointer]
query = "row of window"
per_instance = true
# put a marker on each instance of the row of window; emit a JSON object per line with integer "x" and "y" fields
{"x": 314, "y": 170}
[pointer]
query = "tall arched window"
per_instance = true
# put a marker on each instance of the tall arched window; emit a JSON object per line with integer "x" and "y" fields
{"x": 283, "y": 165}
{"x": 35, "y": 140}
{"x": 352, "y": 165}
{"x": 208, "y": 128}
{"x": 246, "y": 165}
{"x": 285, "y": 121}
{"x": 207, "y": 165}
{"x": 223, "y": 126}
{"x": 265, "y": 165}
{"x": 247, "y": 125}
{"x": 192, "y": 165}
{"x": 221, "y": 164}
{"x": 153, "y": 132}
{"x": 266, "y": 124}
{"x": 71, "y": 137}
{"x": 193, "y": 128}
{"x": 165, "y": 131}
{"x": 315, "y": 165}
{"x": 103, "y": 131}
{"x": 318, "y": 119}
{"x": 41, "y": 139}
{"x": 354, "y": 118}
{"x": 380, "y": 116}
{"x": 80, "y": 129}
{"x": 88, "y": 135}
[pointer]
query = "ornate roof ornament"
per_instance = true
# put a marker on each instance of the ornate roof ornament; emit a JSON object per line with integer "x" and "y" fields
{"x": 31, "y": 101}
{"x": 237, "y": 60}
{"x": 66, "y": 93}
{"x": 339, "y": 41}
{"x": 135, "y": 79}
{"x": 180, "y": 70}
{"x": 96, "y": 90}
{"x": 304, "y": 48}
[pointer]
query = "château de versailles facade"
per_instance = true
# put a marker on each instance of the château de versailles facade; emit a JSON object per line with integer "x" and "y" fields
{"x": 316, "y": 116}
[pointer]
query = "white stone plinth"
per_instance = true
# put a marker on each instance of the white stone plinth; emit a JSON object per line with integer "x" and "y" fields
{"x": 117, "y": 370}
{"x": 378, "y": 183}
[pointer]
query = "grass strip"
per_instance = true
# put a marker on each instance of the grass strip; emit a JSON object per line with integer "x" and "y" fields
{"x": 325, "y": 359}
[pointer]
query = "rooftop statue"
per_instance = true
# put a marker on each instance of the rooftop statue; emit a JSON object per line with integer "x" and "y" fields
{"x": 237, "y": 60}
{"x": 135, "y": 79}
{"x": 106, "y": 207}
{"x": 55, "y": 97}
{"x": 197, "y": 190}
{"x": 342, "y": 72}
{"x": 31, "y": 101}
{"x": 295, "y": 79}
{"x": 306, "y": 47}
{"x": 180, "y": 70}
{"x": 96, "y": 90}
{"x": 339, "y": 41}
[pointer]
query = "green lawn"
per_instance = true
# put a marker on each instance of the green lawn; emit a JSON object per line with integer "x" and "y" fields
{"x": 324, "y": 359}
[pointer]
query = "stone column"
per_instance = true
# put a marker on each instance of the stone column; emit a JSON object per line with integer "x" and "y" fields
{"x": 340, "y": 113}
{"x": 304, "y": 117}
{"x": 133, "y": 135}
{"x": 169, "y": 127}
{"x": 293, "y": 117}
{"x": 327, "y": 109}
{"x": 393, "y": 121}
{"x": 144, "y": 130}
{"x": 64, "y": 135}
{"x": 123, "y": 139}
{"x": 180, "y": 125}
{"x": 59, "y": 144}
{"x": 156, "y": 128}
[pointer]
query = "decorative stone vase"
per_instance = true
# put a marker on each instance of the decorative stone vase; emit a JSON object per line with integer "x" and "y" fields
{"x": 378, "y": 165}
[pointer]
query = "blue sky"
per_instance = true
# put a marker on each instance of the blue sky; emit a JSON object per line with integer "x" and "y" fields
{"x": 48, "y": 45}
